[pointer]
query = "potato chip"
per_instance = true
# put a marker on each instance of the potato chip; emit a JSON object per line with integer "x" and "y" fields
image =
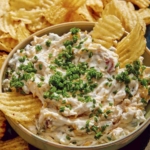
{"x": 7, "y": 26}
{"x": 82, "y": 14}
{"x": 25, "y": 15}
{"x": 121, "y": 9}
{"x": 21, "y": 108}
{"x": 57, "y": 14}
{"x": 14, "y": 144}
{"x": 22, "y": 32}
{"x": 38, "y": 24}
{"x": 141, "y": 3}
{"x": 145, "y": 15}
{"x": 95, "y": 5}
{"x": 131, "y": 6}
{"x": 104, "y": 43}
{"x": 105, "y": 27}
{"x": 2, "y": 124}
{"x": 2, "y": 59}
{"x": 7, "y": 43}
{"x": 132, "y": 46}
{"x": 4, "y": 7}
{"x": 27, "y": 4}
{"x": 105, "y": 2}
{"x": 73, "y": 4}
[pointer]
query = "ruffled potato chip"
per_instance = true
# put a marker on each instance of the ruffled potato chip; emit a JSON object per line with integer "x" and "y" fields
{"x": 25, "y": 15}
{"x": 21, "y": 108}
{"x": 121, "y": 10}
{"x": 57, "y": 14}
{"x": 95, "y": 5}
{"x": 27, "y": 4}
{"x": 3, "y": 56}
{"x": 4, "y": 7}
{"x": 22, "y": 32}
{"x": 73, "y": 4}
{"x": 38, "y": 24}
{"x": 145, "y": 15}
{"x": 132, "y": 46}
{"x": 105, "y": 27}
{"x": 7, "y": 26}
{"x": 14, "y": 144}
{"x": 82, "y": 14}
{"x": 141, "y": 3}
{"x": 7, "y": 43}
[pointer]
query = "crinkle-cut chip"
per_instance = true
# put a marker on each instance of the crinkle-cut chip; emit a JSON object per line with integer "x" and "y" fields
{"x": 21, "y": 108}
{"x": 73, "y": 4}
{"x": 130, "y": 5}
{"x": 48, "y": 3}
{"x": 7, "y": 26}
{"x": 22, "y": 31}
{"x": 132, "y": 46}
{"x": 107, "y": 25}
{"x": 14, "y": 144}
{"x": 82, "y": 14}
{"x": 141, "y": 3}
{"x": 105, "y": 2}
{"x": 121, "y": 10}
{"x": 27, "y": 4}
{"x": 2, "y": 59}
{"x": 4, "y": 7}
{"x": 141, "y": 21}
{"x": 7, "y": 44}
{"x": 38, "y": 24}
{"x": 25, "y": 15}
{"x": 2, "y": 124}
{"x": 95, "y": 5}
{"x": 145, "y": 15}
{"x": 56, "y": 14}
{"x": 103, "y": 43}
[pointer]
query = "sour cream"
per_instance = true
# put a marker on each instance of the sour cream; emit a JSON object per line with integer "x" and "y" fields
{"x": 87, "y": 99}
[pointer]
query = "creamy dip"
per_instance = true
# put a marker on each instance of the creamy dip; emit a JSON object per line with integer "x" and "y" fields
{"x": 87, "y": 99}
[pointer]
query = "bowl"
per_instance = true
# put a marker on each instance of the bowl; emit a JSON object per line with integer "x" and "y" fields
{"x": 49, "y": 145}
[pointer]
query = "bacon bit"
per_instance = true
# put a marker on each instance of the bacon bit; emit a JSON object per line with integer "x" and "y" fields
{"x": 110, "y": 65}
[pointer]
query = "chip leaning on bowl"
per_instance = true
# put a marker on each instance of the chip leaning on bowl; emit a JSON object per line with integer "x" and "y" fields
{"x": 71, "y": 72}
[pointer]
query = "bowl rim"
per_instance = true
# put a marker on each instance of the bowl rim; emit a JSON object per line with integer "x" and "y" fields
{"x": 51, "y": 143}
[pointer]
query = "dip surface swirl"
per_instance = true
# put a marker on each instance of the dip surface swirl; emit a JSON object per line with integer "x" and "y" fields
{"x": 87, "y": 98}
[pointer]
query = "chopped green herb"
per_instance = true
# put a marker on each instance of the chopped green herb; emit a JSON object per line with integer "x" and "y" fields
{"x": 144, "y": 82}
{"x": 50, "y": 55}
{"x": 68, "y": 137}
{"x": 115, "y": 92}
{"x": 22, "y": 59}
{"x": 127, "y": 90}
{"x": 48, "y": 43}
{"x": 16, "y": 82}
{"x": 42, "y": 78}
{"x": 62, "y": 109}
{"x": 74, "y": 30}
{"x": 117, "y": 65}
{"x": 21, "y": 50}
{"x": 109, "y": 138}
{"x": 98, "y": 135}
{"x": 40, "y": 66}
{"x": 38, "y": 48}
{"x": 39, "y": 84}
{"x": 143, "y": 101}
{"x": 35, "y": 57}
{"x": 90, "y": 54}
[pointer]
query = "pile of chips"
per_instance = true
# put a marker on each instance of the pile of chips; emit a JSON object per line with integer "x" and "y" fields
{"x": 118, "y": 23}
